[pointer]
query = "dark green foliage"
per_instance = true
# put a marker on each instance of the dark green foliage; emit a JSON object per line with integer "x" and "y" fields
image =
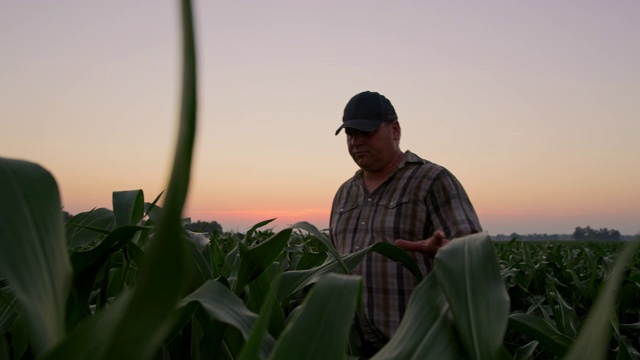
{"x": 558, "y": 283}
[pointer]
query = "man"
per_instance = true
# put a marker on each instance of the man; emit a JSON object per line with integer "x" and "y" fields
{"x": 395, "y": 197}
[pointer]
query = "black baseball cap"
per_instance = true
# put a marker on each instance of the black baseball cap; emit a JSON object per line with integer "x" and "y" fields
{"x": 366, "y": 111}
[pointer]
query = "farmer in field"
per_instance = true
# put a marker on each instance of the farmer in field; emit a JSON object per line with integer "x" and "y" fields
{"x": 395, "y": 197}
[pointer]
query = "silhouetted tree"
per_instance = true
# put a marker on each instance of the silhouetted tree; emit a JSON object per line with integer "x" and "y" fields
{"x": 208, "y": 227}
{"x": 602, "y": 234}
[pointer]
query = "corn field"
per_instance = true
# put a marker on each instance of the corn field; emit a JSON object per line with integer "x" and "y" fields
{"x": 131, "y": 283}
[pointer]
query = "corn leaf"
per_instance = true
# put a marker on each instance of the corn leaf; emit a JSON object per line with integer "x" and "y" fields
{"x": 310, "y": 260}
{"x": 540, "y": 330}
{"x": 90, "y": 339}
{"x": 294, "y": 281}
{"x": 19, "y": 340}
{"x": 222, "y": 305}
{"x": 89, "y": 227}
{"x": 259, "y": 295}
{"x": 145, "y": 323}
{"x": 595, "y": 333}
{"x": 427, "y": 330}
{"x": 87, "y": 264}
{"x": 199, "y": 265}
{"x": 8, "y": 312}
{"x": 330, "y": 307}
{"x": 139, "y": 320}
{"x": 34, "y": 257}
{"x": 254, "y": 261}
{"x": 469, "y": 275}
{"x": 128, "y": 207}
{"x": 253, "y": 347}
{"x": 526, "y": 352}
{"x": 255, "y": 227}
{"x": 116, "y": 240}
{"x": 323, "y": 239}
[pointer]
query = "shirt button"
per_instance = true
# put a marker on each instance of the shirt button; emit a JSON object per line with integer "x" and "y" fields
{"x": 357, "y": 247}
{"x": 362, "y": 223}
{"x": 369, "y": 199}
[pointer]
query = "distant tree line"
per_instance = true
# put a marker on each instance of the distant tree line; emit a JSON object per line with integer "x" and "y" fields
{"x": 532, "y": 237}
{"x": 580, "y": 234}
{"x": 208, "y": 227}
{"x": 602, "y": 234}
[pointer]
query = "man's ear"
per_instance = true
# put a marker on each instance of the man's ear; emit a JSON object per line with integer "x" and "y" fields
{"x": 397, "y": 131}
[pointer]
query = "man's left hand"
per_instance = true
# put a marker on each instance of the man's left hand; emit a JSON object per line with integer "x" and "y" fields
{"x": 428, "y": 247}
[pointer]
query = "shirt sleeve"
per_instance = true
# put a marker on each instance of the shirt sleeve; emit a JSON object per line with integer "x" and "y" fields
{"x": 450, "y": 208}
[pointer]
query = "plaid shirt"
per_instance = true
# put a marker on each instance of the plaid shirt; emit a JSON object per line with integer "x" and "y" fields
{"x": 417, "y": 199}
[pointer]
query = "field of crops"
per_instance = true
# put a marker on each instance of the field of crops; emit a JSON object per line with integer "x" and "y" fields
{"x": 559, "y": 281}
{"x": 261, "y": 294}
{"x": 131, "y": 283}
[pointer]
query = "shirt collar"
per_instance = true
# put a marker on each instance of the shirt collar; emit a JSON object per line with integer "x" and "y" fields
{"x": 408, "y": 157}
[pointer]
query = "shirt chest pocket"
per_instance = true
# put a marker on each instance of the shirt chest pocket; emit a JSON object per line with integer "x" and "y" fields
{"x": 395, "y": 204}
{"x": 347, "y": 209}
{"x": 394, "y": 216}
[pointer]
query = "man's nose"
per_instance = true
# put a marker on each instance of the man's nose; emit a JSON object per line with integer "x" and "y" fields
{"x": 358, "y": 137}
{"x": 356, "y": 141}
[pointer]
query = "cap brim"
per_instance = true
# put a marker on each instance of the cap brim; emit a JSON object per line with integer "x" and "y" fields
{"x": 360, "y": 124}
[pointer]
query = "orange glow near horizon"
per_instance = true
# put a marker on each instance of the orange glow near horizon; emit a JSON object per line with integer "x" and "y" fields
{"x": 242, "y": 220}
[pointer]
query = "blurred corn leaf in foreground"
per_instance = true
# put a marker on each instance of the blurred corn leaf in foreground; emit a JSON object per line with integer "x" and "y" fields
{"x": 33, "y": 256}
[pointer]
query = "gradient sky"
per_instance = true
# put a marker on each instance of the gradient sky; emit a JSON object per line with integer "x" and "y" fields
{"x": 533, "y": 105}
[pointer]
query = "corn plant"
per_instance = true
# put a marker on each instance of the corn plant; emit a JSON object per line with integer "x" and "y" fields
{"x": 556, "y": 283}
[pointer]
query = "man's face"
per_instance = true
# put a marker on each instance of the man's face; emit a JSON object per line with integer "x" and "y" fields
{"x": 373, "y": 150}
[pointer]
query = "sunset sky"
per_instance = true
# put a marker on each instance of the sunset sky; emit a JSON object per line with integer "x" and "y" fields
{"x": 533, "y": 105}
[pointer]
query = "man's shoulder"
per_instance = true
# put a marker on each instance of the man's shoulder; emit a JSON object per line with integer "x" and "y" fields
{"x": 352, "y": 180}
{"x": 424, "y": 165}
